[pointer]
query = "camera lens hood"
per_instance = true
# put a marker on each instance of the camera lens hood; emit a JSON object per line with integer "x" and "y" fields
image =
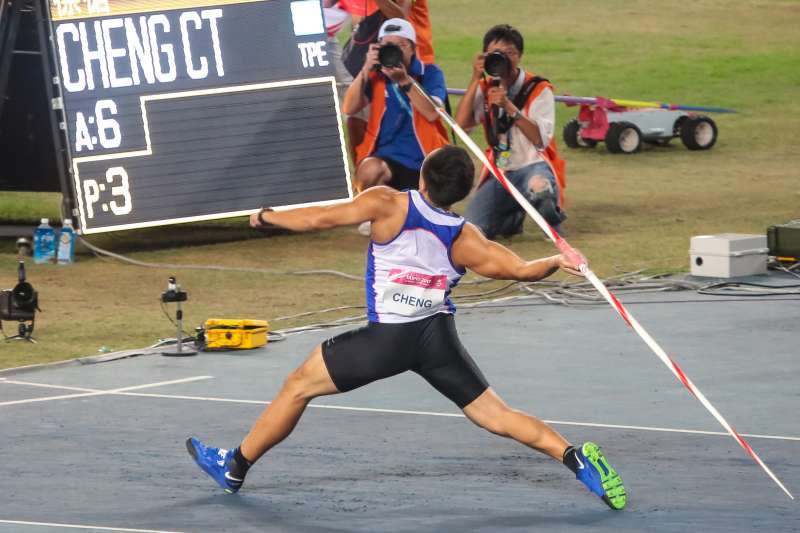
{"x": 497, "y": 65}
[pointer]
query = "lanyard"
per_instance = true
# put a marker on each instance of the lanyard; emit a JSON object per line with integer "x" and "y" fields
{"x": 405, "y": 105}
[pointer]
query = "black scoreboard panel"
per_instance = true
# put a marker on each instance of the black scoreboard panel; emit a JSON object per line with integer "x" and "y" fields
{"x": 203, "y": 111}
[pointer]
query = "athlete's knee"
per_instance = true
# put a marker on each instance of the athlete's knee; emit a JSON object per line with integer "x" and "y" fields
{"x": 311, "y": 379}
{"x": 299, "y": 385}
{"x": 491, "y": 413}
{"x": 371, "y": 172}
{"x": 496, "y": 426}
{"x": 502, "y": 420}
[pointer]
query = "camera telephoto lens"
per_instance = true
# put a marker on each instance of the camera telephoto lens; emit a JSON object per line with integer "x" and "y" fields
{"x": 497, "y": 65}
{"x": 390, "y": 55}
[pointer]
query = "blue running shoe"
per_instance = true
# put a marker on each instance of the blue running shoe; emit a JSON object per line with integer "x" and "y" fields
{"x": 214, "y": 462}
{"x": 598, "y": 476}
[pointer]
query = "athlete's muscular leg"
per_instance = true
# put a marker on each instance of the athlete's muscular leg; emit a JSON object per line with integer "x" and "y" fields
{"x": 490, "y": 412}
{"x": 311, "y": 379}
{"x": 372, "y": 171}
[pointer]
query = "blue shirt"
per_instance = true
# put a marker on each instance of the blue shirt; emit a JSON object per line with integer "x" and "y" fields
{"x": 396, "y": 139}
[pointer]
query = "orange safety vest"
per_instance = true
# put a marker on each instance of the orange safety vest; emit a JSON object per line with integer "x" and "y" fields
{"x": 549, "y": 154}
{"x": 430, "y": 135}
{"x": 419, "y": 18}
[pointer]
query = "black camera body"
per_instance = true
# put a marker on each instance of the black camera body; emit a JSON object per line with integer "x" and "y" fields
{"x": 390, "y": 55}
{"x": 21, "y": 302}
{"x": 10, "y": 308}
{"x": 497, "y": 65}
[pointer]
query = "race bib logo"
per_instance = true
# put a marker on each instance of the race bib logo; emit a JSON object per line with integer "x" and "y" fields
{"x": 410, "y": 293}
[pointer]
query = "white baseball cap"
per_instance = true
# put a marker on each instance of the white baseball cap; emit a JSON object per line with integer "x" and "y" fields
{"x": 399, "y": 27}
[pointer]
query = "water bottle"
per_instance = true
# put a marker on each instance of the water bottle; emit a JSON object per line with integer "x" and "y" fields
{"x": 66, "y": 243}
{"x": 44, "y": 243}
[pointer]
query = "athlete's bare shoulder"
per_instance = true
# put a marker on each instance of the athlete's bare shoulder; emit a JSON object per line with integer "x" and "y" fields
{"x": 470, "y": 236}
{"x": 469, "y": 243}
{"x": 390, "y": 208}
{"x": 382, "y": 193}
{"x": 382, "y": 200}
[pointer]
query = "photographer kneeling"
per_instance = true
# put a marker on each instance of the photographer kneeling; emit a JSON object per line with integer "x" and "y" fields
{"x": 517, "y": 110}
{"x": 403, "y": 126}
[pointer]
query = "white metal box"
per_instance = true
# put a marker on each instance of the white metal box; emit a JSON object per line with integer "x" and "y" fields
{"x": 728, "y": 255}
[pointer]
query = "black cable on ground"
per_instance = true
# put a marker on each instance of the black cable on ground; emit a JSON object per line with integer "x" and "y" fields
{"x": 741, "y": 288}
{"x": 101, "y": 253}
{"x": 546, "y": 292}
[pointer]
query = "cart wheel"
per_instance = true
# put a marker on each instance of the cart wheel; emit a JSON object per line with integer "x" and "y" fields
{"x": 572, "y": 137}
{"x": 698, "y": 133}
{"x": 623, "y": 138}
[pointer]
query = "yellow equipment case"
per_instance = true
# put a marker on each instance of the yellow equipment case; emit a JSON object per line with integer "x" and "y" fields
{"x": 234, "y": 334}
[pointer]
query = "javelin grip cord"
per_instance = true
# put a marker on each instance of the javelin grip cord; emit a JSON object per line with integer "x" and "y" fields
{"x": 576, "y": 258}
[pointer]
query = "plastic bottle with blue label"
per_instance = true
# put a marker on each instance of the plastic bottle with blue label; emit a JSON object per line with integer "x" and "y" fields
{"x": 44, "y": 243}
{"x": 66, "y": 244}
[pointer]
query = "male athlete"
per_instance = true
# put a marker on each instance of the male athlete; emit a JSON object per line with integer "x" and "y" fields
{"x": 418, "y": 252}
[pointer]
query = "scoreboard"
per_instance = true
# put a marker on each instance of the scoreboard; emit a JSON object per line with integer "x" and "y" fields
{"x": 182, "y": 110}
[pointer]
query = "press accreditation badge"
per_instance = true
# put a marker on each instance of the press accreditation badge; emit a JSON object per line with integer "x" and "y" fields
{"x": 410, "y": 293}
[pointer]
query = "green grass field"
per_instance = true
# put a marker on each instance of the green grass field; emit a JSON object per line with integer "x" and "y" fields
{"x": 626, "y": 212}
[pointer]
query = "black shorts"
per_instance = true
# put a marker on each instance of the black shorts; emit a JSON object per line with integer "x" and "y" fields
{"x": 402, "y": 177}
{"x": 429, "y": 347}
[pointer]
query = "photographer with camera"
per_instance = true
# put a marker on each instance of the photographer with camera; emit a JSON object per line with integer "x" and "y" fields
{"x": 368, "y": 16}
{"x": 403, "y": 126}
{"x": 517, "y": 110}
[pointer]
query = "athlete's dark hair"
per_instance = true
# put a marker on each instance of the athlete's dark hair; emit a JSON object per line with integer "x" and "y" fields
{"x": 448, "y": 174}
{"x": 505, "y": 33}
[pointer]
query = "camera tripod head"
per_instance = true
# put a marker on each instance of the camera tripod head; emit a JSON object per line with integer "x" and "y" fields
{"x": 173, "y": 292}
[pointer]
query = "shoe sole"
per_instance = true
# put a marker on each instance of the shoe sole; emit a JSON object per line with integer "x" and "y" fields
{"x": 193, "y": 452}
{"x": 615, "y": 496}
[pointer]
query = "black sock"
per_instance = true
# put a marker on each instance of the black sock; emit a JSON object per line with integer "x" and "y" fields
{"x": 570, "y": 460}
{"x": 239, "y": 465}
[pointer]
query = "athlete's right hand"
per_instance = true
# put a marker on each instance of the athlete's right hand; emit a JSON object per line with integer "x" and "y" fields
{"x": 477, "y": 66}
{"x": 568, "y": 264}
{"x": 371, "y": 59}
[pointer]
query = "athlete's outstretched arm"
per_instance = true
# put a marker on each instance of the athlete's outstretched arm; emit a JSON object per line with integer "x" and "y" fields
{"x": 371, "y": 204}
{"x": 493, "y": 260}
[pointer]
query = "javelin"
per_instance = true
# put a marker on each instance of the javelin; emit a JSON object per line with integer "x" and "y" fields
{"x": 576, "y": 258}
{"x": 609, "y": 103}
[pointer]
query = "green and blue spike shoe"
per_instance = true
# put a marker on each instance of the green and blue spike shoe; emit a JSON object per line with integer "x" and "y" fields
{"x": 599, "y": 477}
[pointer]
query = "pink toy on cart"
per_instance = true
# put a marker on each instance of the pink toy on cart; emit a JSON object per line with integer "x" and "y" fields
{"x": 625, "y": 124}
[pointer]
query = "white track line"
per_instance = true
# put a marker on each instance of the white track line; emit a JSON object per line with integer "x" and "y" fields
{"x": 125, "y": 392}
{"x": 79, "y": 526}
{"x": 458, "y": 415}
{"x": 671, "y": 430}
{"x": 48, "y": 386}
{"x": 92, "y": 392}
